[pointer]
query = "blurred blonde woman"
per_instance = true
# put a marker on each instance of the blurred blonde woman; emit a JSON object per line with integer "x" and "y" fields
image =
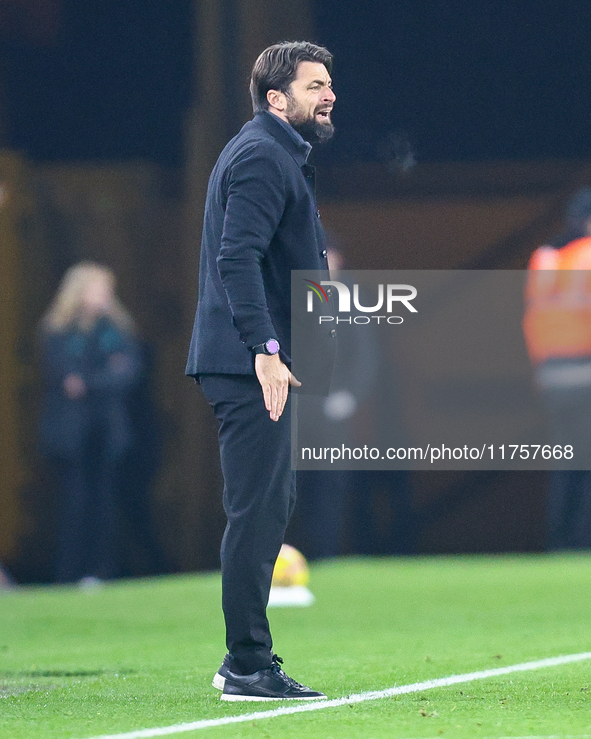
{"x": 90, "y": 362}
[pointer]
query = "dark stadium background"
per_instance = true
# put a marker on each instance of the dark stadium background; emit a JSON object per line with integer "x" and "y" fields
{"x": 486, "y": 79}
{"x": 462, "y": 130}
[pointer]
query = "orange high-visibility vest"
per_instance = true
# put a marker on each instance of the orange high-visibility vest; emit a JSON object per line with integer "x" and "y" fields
{"x": 557, "y": 321}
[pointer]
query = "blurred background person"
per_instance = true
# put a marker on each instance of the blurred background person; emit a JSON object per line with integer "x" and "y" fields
{"x": 90, "y": 363}
{"x": 318, "y": 523}
{"x": 377, "y": 504}
{"x": 381, "y": 501}
{"x": 141, "y": 550}
{"x": 557, "y": 327}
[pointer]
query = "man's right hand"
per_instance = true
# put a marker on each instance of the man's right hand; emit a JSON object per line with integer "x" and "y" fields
{"x": 275, "y": 379}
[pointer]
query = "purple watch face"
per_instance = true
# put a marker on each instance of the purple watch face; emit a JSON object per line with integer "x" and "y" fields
{"x": 272, "y": 346}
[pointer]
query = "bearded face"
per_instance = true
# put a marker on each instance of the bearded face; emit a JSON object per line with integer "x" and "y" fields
{"x": 309, "y": 102}
{"x": 314, "y": 126}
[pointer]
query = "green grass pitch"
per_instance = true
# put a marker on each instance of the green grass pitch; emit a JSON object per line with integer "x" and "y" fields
{"x": 140, "y": 654}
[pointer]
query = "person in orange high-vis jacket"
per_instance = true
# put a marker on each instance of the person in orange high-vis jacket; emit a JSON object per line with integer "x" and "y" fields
{"x": 557, "y": 321}
{"x": 557, "y": 329}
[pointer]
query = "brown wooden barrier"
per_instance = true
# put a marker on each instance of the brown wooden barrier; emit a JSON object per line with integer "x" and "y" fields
{"x": 145, "y": 224}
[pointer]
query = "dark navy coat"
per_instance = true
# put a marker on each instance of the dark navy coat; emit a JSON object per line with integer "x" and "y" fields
{"x": 261, "y": 222}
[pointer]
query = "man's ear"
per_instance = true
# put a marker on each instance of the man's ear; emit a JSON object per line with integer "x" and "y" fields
{"x": 277, "y": 100}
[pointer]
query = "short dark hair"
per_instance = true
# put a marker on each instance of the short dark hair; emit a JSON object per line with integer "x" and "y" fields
{"x": 276, "y": 68}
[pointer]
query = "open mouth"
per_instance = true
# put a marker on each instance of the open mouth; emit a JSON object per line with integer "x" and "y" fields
{"x": 324, "y": 114}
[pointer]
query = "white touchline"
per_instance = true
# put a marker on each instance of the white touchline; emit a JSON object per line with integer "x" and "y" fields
{"x": 371, "y": 695}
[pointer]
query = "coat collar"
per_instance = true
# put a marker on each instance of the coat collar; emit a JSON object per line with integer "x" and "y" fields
{"x": 275, "y": 127}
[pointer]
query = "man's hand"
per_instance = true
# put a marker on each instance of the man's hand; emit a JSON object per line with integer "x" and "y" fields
{"x": 275, "y": 379}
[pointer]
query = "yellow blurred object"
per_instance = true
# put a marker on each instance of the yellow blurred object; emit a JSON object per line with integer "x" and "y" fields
{"x": 291, "y": 568}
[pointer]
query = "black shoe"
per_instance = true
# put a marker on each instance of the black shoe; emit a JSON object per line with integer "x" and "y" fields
{"x": 270, "y": 684}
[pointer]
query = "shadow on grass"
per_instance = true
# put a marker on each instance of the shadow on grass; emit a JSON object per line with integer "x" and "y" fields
{"x": 65, "y": 673}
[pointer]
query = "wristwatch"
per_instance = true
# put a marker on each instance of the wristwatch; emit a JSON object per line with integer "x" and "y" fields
{"x": 271, "y": 346}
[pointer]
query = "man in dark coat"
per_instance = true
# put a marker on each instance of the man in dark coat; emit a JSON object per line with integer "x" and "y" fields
{"x": 260, "y": 223}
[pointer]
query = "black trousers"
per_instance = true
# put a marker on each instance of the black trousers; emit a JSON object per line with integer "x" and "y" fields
{"x": 259, "y": 496}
